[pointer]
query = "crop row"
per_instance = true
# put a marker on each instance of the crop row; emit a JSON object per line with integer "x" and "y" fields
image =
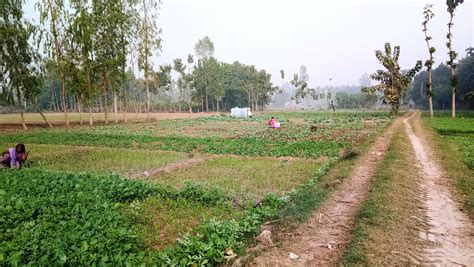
{"x": 251, "y": 146}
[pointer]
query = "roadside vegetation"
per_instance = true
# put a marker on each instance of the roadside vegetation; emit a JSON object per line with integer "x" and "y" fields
{"x": 455, "y": 144}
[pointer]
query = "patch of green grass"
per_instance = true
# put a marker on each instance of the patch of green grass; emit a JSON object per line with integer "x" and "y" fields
{"x": 259, "y": 176}
{"x": 97, "y": 159}
{"x": 161, "y": 221}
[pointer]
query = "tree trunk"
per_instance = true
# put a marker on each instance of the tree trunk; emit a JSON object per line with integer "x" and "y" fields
{"x": 90, "y": 113}
{"x": 53, "y": 99}
{"x": 115, "y": 107}
{"x": 105, "y": 97}
{"x": 79, "y": 110}
{"x": 451, "y": 66}
{"x": 44, "y": 118}
{"x": 124, "y": 109}
{"x": 453, "y": 101}
{"x": 23, "y": 121}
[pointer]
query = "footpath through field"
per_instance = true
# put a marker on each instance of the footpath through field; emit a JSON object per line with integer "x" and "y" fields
{"x": 323, "y": 238}
{"x": 450, "y": 231}
{"x": 447, "y": 233}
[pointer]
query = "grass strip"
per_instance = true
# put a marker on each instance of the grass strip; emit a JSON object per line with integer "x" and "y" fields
{"x": 385, "y": 223}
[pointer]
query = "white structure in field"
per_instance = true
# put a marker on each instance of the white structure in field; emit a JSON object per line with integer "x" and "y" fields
{"x": 240, "y": 112}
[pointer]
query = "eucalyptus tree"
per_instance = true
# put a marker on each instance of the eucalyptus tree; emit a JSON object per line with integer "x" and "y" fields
{"x": 184, "y": 81}
{"x": 79, "y": 55}
{"x": 428, "y": 14}
{"x": 180, "y": 68}
{"x": 393, "y": 81}
{"x": 109, "y": 53}
{"x": 204, "y": 50}
{"x": 149, "y": 42}
{"x": 21, "y": 76}
{"x": 189, "y": 79}
{"x": 452, "y": 4}
{"x": 54, "y": 14}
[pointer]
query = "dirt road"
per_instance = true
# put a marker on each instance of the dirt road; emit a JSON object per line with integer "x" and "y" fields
{"x": 450, "y": 231}
{"x": 323, "y": 238}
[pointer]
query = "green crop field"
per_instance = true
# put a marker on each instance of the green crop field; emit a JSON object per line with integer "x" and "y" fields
{"x": 179, "y": 191}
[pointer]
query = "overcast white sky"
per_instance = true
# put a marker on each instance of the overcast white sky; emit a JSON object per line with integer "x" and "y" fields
{"x": 332, "y": 38}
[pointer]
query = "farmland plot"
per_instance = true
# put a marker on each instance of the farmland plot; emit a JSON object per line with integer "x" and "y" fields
{"x": 182, "y": 213}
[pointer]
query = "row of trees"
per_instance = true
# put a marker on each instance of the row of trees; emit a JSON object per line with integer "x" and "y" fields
{"x": 83, "y": 55}
{"x": 441, "y": 84}
{"x": 394, "y": 82}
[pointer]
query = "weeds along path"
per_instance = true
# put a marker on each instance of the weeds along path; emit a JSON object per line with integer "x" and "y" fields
{"x": 324, "y": 237}
{"x": 450, "y": 231}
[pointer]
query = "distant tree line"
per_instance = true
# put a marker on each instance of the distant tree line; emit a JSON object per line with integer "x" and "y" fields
{"x": 82, "y": 57}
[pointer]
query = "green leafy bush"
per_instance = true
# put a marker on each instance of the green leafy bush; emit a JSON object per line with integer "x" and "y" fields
{"x": 63, "y": 218}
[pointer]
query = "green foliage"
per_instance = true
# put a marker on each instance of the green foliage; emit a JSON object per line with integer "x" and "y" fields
{"x": 465, "y": 74}
{"x": 304, "y": 199}
{"x": 20, "y": 73}
{"x": 63, "y": 218}
{"x": 393, "y": 81}
{"x": 251, "y": 146}
{"x": 208, "y": 246}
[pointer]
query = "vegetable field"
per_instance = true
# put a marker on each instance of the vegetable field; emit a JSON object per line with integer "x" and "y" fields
{"x": 176, "y": 192}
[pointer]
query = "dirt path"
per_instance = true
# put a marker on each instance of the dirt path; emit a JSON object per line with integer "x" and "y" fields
{"x": 153, "y": 173}
{"x": 323, "y": 238}
{"x": 449, "y": 229}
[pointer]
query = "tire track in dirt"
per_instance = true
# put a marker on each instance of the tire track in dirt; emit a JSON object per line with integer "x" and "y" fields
{"x": 450, "y": 231}
{"x": 324, "y": 237}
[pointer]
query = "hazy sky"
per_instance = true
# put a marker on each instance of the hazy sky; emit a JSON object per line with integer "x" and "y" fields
{"x": 332, "y": 38}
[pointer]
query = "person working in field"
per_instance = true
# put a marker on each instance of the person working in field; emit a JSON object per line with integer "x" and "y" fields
{"x": 273, "y": 123}
{"x": 14, "y": 157}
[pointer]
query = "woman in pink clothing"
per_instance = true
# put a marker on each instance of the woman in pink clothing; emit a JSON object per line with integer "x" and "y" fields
{"x": 273, "y": 123}
{"x": 14, "y": 157}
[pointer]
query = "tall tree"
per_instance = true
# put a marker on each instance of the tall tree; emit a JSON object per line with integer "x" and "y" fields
{"x": 428, "y": 14}
{"x": 189, "y": 79}
{"x": 109, "y": 52}
{"x": 54, "y": 14}
{"x": 204, "y": 49}
{"x": 180, "y": 68}
{"x": 149, "y": 42}
{"x": 18, "y": 60}
{"x": 393, "y": 81}
{"x": 300, "y": 85}
{"x": 452, "y": 4}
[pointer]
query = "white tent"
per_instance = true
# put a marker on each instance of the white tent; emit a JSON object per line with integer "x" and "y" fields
{"x": 240, "y": 112}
